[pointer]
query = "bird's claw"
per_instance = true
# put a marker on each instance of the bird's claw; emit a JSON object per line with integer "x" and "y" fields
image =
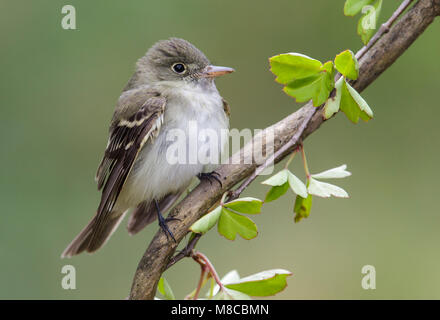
{"x": 210, "y": 176}
{"x": 163, "y": 223}
{"x": 164, "y": 226}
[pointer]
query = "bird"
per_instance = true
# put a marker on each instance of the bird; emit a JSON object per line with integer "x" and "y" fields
{"x": 172, "y": 87}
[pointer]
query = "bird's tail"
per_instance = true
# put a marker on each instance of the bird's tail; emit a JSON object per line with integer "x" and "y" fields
{"x": 89, "y": 240}
{"x": 146, "y": 212}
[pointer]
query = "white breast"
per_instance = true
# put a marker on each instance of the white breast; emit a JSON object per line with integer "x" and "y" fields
{"x": 152, "y": 176}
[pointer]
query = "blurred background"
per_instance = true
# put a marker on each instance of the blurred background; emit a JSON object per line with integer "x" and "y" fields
{"x": 58, "y": 90}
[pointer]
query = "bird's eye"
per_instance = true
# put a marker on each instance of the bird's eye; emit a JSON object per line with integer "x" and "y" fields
{"x": 179, "y": 68}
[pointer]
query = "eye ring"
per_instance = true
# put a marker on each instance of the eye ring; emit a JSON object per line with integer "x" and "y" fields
{"x": 179, "y": 68}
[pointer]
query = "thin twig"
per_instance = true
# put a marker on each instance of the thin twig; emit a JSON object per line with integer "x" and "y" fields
{"x": 384, "y": 28}
{"x": 186, "y": 252}
{"x": 201, "y": 280}
{"x": 290, "y": 159}
{"x": 208, "y": 270}
{"x": 203, "y": 260}
{"x": 306, "y": 166}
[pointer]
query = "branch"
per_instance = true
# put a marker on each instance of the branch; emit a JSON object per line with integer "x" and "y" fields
{"x": 277, "y": 155}
{"x": 384, "y": 28}
{"x": 375, "y": 61}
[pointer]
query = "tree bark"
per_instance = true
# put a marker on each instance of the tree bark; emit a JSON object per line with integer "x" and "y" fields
{"x": 375, "y": 61}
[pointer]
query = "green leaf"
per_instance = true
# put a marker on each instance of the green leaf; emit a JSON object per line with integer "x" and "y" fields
{"x": 263, "y": 284}
{"x": 290, "y": 66}
{"x": 297, "y": 185}
{"x": 364, "y": 116}
{"x": 237, "y": 295}
{"x": 353, "y": 105}
{"x": 231, "y": 277}
{"x": 367, "y": 24}
{"x": 348, "y": 104}
{"x": 276, "y": 191}
{"x": 347, "y": 64}
{"x": 277, "y": 179}
{"x": 228, "y": 294}
{"x": 222, "y": 295}
{"x": 333, "y": 103}
{"x": 302, "y": 207}
{"x": 328, "y": 67}
{"x": 165, "y": 289}
{"x": 325, "y": 190}
{"x": 338, "y": 172}
{"x": 363, "y": 105}
{"x": 353, "y": 7}
{"x": 316, "y": 88}
{"x": 281, "y": 180}
{"x": 231, "y": 223}
{"x": 305, "y": 88}
{"x": 205, "y": 223}
{"x": 245, "y": 205}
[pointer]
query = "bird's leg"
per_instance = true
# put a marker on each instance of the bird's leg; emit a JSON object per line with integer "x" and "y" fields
{"x": 210, "y": 176}
{"x": 163, "y": 222}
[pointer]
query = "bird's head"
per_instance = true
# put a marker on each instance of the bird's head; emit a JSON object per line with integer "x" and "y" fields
{"x": 174, "y": 60}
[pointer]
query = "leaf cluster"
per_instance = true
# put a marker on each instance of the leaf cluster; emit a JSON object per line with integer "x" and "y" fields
{"x": 230, "y": 220}
{"x": 281, "y": 181}
{"x": 370, "y": 10}
{"x": 262, "y": 284}
{"x": 307, "y": 79}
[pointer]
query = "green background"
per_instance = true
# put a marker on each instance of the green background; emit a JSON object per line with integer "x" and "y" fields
{"x": 59, "y": 87}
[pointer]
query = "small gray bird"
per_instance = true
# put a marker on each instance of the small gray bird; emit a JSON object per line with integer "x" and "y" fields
{"x": 173, "y": 86}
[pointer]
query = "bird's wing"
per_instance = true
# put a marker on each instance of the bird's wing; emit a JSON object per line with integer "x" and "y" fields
{"x": 129, "y": 132}
{"x": 226, "y": 108}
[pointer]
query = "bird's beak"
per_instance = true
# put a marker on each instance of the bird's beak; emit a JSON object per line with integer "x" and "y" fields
{"x": 215, "y": 71}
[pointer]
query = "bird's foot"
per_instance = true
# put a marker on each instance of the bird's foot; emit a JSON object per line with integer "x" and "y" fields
{"x": 210, "y": 176}
{"x": 163, "y": 223}
{"x": 164, "y": 226}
